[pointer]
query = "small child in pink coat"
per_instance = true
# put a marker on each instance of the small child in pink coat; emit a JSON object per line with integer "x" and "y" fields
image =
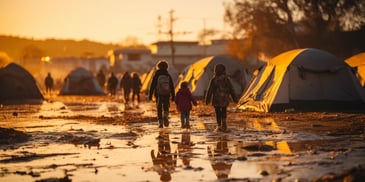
{"x": 184, "y": 100}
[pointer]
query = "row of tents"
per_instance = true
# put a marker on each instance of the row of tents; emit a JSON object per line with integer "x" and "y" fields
{"x": 301, "y": 80}
{"x": 18, "y": 86}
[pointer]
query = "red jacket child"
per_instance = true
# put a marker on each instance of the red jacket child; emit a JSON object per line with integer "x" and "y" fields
{"x": 184, "y": 99}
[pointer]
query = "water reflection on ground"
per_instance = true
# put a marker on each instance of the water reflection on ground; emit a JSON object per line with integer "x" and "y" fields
{"x": 86, "y": 140}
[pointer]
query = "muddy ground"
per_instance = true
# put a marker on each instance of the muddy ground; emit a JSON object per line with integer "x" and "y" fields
{"x": 100, "y": 139}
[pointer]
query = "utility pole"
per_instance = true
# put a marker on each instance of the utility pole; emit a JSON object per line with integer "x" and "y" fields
{"x": 159, "y": 25}
{"x": 203, "y": 38}
{"x": 171, "y": 33}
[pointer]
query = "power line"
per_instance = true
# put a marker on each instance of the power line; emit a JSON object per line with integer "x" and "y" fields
{"x": 171, "y": 33}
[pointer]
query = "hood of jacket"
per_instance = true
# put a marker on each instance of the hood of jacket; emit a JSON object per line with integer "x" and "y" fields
{"x": 184, "y": 91}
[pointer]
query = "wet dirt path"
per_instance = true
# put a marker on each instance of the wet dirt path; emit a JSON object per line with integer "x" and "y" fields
{"x": 86, "y": 140}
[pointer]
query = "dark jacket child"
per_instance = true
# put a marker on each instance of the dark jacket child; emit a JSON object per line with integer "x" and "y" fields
{"x": 162, "y": 87}
{"x": 184, "y": 100}
{"x": 136, "y": 87}
{"x": 126, "y": 85}
{"x": 220, "y": 93}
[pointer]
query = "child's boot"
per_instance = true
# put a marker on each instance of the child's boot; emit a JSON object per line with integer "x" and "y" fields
{"x": 160, "y": 123}
{"x": 219, "y": 128}
{"x": 187, "y": 125}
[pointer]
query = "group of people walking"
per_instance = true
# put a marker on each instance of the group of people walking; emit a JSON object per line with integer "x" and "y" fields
{"x": 128, "y": 83}
{"x": 219, "y": 93}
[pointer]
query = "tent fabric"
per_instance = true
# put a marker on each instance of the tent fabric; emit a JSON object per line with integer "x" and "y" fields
{"x": 303, "y": 80}
{"x": 357, "y": 62}
{"x": 17, "y": 85}
{"x": 81, "y": 82}
{"x": 198, "y": 75}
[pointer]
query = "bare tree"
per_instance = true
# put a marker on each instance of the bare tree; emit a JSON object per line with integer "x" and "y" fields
{"x": 274, "y": 26}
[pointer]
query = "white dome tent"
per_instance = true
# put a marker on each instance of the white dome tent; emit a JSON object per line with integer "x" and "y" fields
{"x": 81, "y": 82}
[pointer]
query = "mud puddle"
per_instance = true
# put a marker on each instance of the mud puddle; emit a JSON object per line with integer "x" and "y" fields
{"x": 98, "y": 140}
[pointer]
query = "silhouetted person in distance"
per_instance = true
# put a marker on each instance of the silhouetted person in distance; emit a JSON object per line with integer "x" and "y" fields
{"x": 164, "y": 161}
{"x": 112, "y": 84}
{"x": 101, "y": 78}
{"x": 49, "y": 83}
{"x": 220, "y": 159}
{"x": 162, "y": 87}
{"x": 126, "y": 86}
{"x": 136, "y": 87}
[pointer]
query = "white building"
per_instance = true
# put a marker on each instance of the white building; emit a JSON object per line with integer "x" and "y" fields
{"x": 132, "y": 60}
{"x": 179, "y": 54}
{"x": 183, "y": 53}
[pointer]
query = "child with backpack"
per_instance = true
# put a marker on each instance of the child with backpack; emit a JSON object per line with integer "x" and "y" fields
{"x": 220, "y": 92}
{"x": 184, "y": 100}
{"x": 162, "y": 87}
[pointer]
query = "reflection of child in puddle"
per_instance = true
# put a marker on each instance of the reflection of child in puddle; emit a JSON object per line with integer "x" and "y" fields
{"x": 185, "y": 148}
{"x": 165, "y": 161}
{"x": 218, "y": 158}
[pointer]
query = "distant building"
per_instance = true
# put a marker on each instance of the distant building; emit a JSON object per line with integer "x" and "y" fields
{"x": 132, "y": 60}
{"x": 217, "y": 47}
{"x": 184, "y": 53}
{"x": 187, "y": 52}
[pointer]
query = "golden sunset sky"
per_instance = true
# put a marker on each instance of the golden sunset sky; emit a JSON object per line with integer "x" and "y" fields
{"x": 109, "y": 21}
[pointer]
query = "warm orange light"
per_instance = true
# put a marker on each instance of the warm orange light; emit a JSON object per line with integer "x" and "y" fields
{"x": 46, "y": 59}
{"x": 153, "y": 49}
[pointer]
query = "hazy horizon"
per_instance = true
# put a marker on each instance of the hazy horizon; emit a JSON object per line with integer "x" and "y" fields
{"x": 109, "y": 21}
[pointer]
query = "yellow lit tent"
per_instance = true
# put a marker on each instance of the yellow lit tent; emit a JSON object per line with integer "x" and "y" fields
{"x": 357, "y": 62}
{"x": 304, "y": 80}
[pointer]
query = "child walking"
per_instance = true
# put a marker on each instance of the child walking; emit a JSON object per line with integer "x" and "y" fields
{"x": 184, "y": 100}
{"x": 162, "y": 87}
{"x": 220, "y": 93}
